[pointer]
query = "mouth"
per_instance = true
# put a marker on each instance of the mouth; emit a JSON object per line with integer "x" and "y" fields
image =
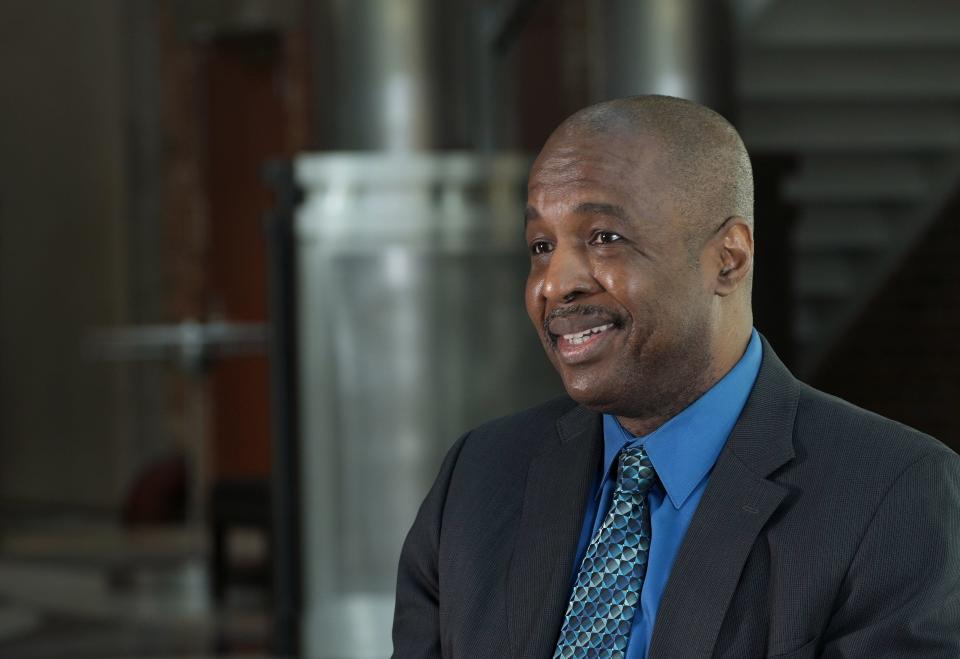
{"x": 579, "y": 338}
{"x": 578, "y": 347}
{"x": 581, "y": 333}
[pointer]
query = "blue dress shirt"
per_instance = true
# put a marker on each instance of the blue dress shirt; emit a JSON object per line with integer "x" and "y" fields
{"x": 683, "y": 452}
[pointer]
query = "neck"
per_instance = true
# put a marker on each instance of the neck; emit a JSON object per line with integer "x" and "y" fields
{"x": 643, "y": 425}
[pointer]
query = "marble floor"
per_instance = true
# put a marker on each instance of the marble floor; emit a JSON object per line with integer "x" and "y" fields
{"x": 99, "y": 592}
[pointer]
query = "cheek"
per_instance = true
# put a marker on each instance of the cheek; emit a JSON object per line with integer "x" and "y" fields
{"x": 532, "y": 298}
{"x": 609, "y": 276}
{"x": 628, "y": 286}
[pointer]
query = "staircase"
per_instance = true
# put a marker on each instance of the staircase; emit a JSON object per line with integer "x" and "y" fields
{"x": 866, "y": 96}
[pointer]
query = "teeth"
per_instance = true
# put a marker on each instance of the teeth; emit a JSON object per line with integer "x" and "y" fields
{"x": 579, "y": 337}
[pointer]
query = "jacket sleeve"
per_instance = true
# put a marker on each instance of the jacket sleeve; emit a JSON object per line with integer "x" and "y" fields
{"x": 416, "y": 620}
{"x": 901, "y": 596}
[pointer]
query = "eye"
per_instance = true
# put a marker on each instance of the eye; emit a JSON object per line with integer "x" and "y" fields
{"x": 540, "y": 247}
{"x": 605, "y": 237}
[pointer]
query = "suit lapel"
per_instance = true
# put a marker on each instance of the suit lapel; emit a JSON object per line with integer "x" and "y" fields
{"x": 555, "y": 496}
{"x": 737, "y": 503}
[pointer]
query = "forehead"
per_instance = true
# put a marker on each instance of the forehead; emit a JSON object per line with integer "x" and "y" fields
{"x": 572, "y": 171}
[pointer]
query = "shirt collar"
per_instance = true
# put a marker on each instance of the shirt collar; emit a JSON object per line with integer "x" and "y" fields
{"x": 684, "y": 449}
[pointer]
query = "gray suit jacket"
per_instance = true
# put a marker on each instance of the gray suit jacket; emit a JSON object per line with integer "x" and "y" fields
{"x": 824, "y": 531}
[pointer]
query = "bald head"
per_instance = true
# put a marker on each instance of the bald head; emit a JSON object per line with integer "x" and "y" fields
{"x": 705, "y": 167}
{"x": 638, "y": 223}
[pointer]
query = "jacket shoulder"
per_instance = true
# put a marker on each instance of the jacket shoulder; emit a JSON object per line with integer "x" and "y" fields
{"x": 547, "y": 412}
{"x": 841, "y": 430}
{"x": 522, "y": 432}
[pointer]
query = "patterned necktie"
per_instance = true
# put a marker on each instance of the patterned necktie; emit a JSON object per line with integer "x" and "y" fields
{"x": 607, "y": 592}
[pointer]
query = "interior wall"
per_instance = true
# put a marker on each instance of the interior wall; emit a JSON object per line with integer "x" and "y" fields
{"x": 61, "y": 250}
{"x": 900, "y": 358}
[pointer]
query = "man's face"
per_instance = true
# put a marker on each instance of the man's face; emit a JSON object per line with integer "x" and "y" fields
{"x": 615, "y": 288}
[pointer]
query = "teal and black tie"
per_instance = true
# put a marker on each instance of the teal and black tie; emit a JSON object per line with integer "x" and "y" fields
{"x": 607, "y": 592}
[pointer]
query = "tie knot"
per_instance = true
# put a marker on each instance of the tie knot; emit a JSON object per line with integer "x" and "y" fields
{"x": 635, "y": 474}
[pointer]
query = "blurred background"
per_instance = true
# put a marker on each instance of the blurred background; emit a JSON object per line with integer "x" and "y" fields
{"x": 261, "y": 263}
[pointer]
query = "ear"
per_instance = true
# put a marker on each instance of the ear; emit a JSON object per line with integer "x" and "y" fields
{"x": 734, "y": 253}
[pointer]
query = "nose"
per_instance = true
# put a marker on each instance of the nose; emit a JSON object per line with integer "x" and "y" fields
{"x": 568, "y": 276}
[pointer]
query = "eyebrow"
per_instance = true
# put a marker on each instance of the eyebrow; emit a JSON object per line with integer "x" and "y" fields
{"x": 530, "y": 213}
{"x": 600, "y": 208}
{"x": 586, "y": 208}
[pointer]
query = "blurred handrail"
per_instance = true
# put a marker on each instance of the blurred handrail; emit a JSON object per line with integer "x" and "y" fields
{"x": 193, "y": 344}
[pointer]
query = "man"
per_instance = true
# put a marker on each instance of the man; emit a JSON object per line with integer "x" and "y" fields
{"x": 690, "y": 498}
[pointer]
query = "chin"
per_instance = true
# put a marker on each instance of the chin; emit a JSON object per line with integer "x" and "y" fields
{"x": 591, "y": 395}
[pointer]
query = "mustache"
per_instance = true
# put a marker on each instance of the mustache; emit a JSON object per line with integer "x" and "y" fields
{"x": 598, "y": 312}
